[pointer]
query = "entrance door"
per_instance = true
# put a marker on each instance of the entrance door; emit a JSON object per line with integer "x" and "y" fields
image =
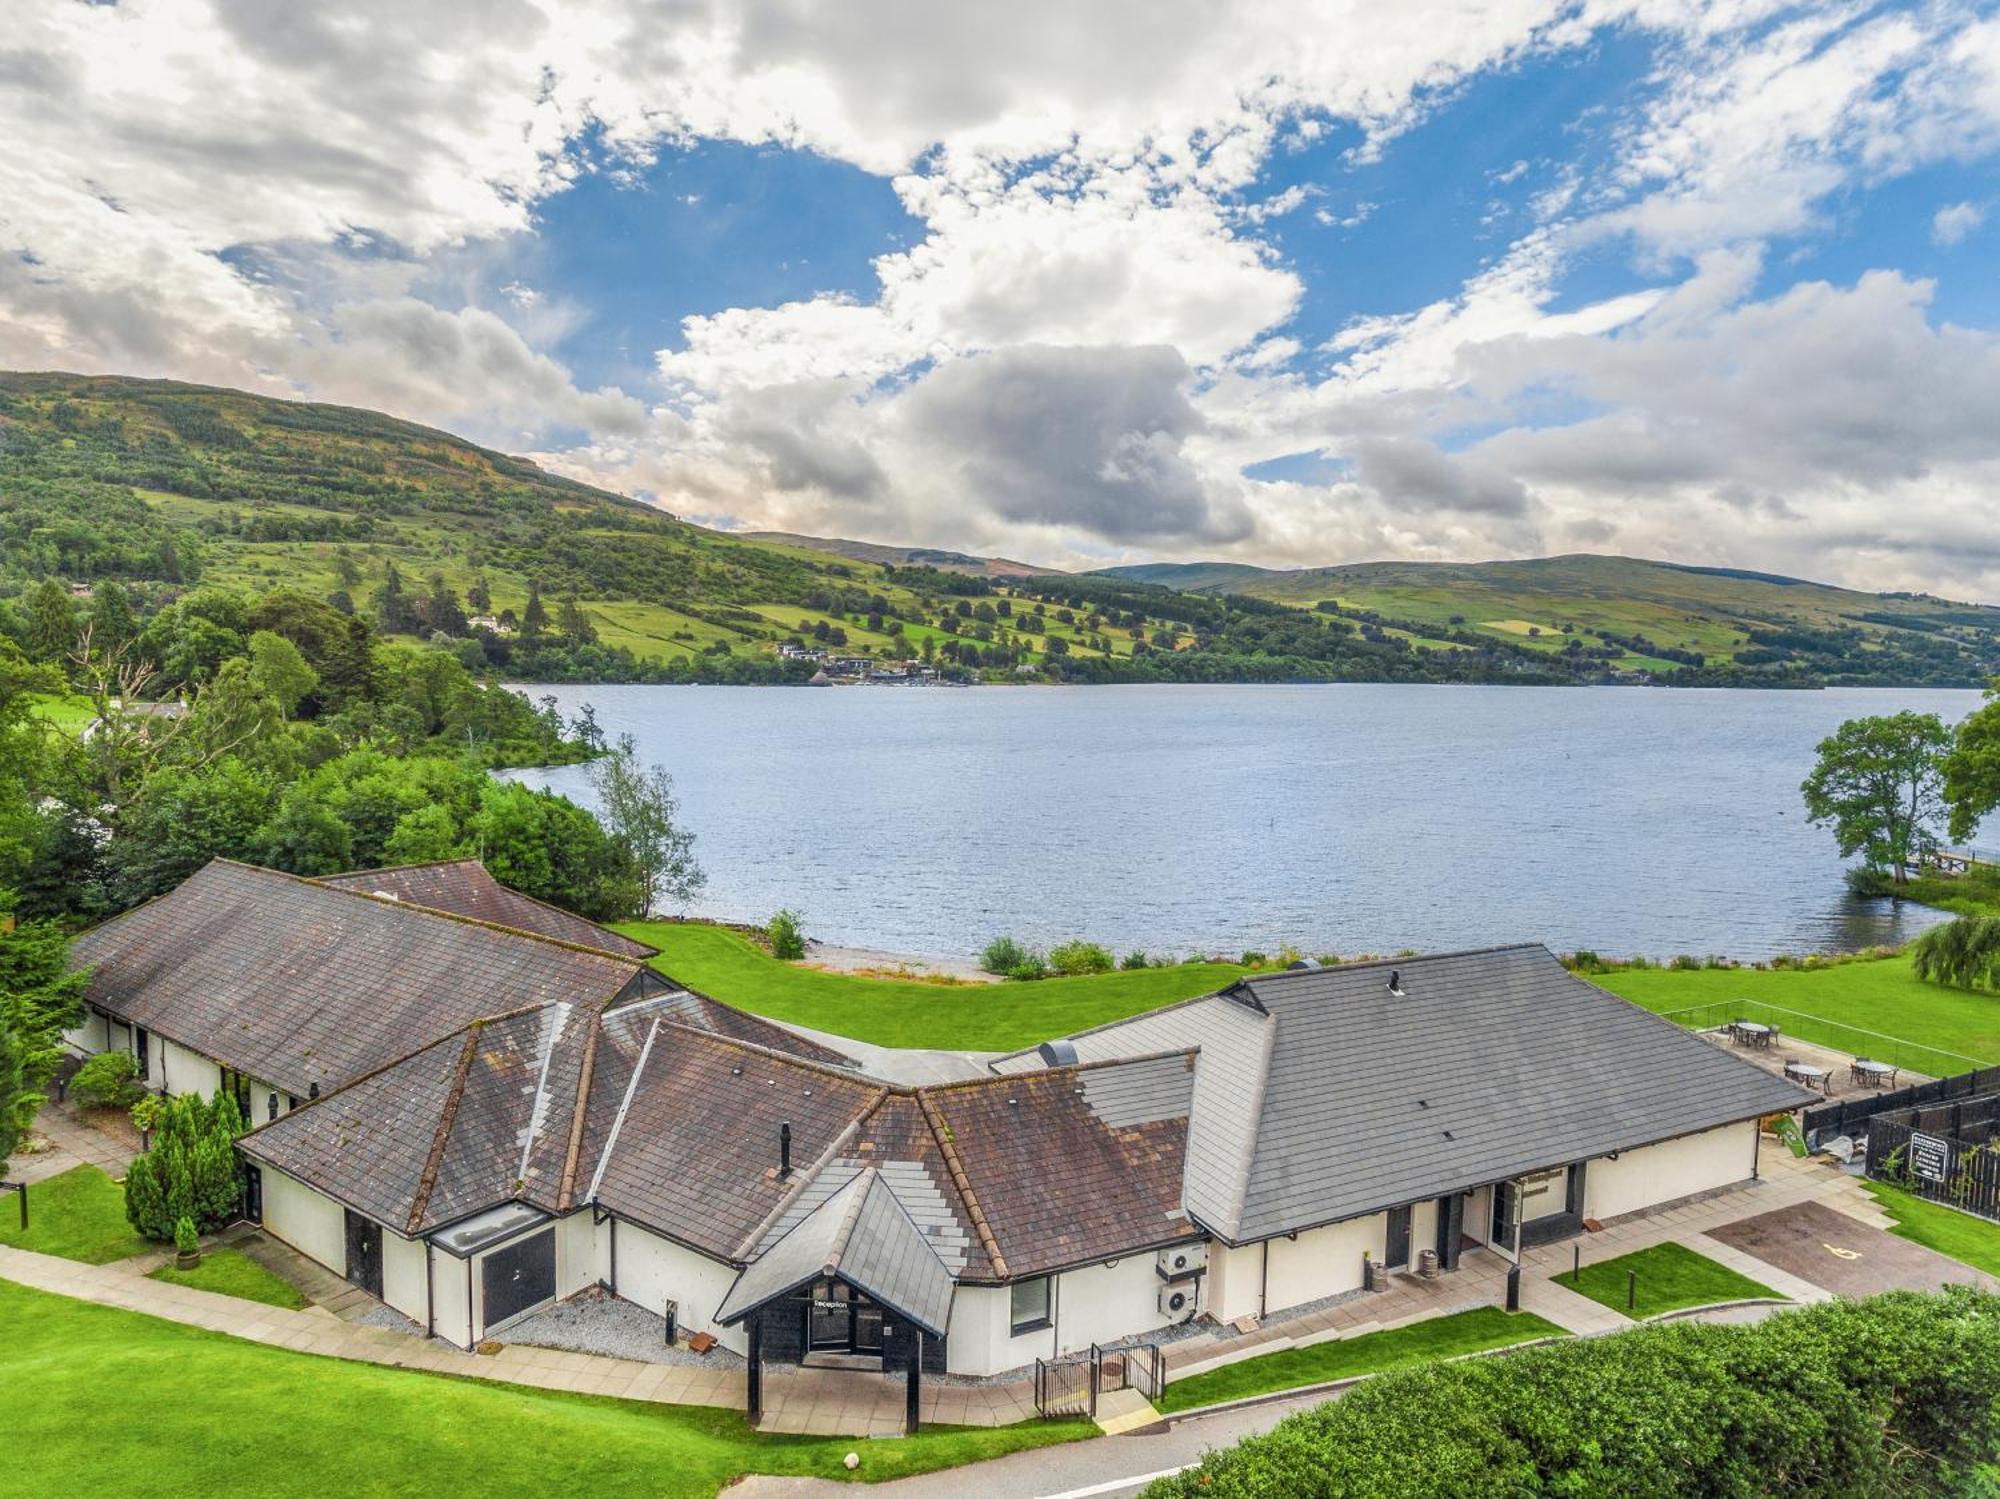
{"x": 1397, "y": 1255}
{"x": 364, "y": 1253}
{"x": 140, "y": 1049}
{"x": 518, "y": 1277}
{"x": 840, "y": 1320}
{"x": 253, "y": 1193}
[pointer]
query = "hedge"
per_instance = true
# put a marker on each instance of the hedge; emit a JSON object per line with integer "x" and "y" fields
{"x": 1890, "y": 1396}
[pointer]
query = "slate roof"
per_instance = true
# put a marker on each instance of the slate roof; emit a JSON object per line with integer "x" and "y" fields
{"x": 1488, "y": 1065}
{"x": 861, "y": 1234}
{"x": 465, "y": 887}
{"x": 297, "y": 983}
{"x": 1071, "y": 1164}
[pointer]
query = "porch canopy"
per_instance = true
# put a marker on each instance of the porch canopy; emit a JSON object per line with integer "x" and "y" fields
{"x": 862, "y": 1236}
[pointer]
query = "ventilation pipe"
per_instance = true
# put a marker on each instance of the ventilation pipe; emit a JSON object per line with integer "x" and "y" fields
{"x": 784, "y": 1150}
{"x": 1396, "y": 982}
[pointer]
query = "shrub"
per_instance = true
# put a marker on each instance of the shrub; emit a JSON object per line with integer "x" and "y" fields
{"x": 1002, "y": 956}
{"x": 787, "y": 943}
{"x": 1134, "y": 959}
{"x": 109, "y": 1080}
{"x": 1030, "y": 967}
{"x": 191, "y": 1171}
{"x": 146, "y": 1113}
{"x": 1254, "y": 960}
{"x": 1076, "y": 957}
{"x": 186, "y": 1240}
{"x": 1684, "y": 962}
{"x": 1899, "y": 1394}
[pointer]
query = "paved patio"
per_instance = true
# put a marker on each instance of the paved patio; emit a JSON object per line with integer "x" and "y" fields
{"x": 1785, "y": 1049}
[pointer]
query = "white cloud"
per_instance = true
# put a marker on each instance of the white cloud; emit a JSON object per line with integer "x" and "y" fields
{"x": 1955, "y": 221}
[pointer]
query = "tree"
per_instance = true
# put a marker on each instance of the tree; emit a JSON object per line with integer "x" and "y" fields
{"x": 40, "y": 998}
{"x": 51, "y": 621}
{"x": 1972, "y": 769}
{"x": 535, "y": 617}
{"x": 640, "y": 811}
{"x": 192, "y": 1169}
{"x": 393, "y": 611}
{"x": 112, "y": 622}
{"x": 547, "y": 846}
{"x": 278, "y": 670}
{"x": 574, "y": 624}
{"x": 1879, "y": 782}
{"x": 15, "y": 1112}
{"x": 478, "y": 597}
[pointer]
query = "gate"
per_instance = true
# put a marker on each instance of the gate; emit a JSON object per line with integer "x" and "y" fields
{"x": 1066, "y": 1387}
{"x": 1072, "y": 1386}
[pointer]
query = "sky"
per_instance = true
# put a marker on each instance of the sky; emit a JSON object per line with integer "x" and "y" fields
{"x": 1285, "y": 283}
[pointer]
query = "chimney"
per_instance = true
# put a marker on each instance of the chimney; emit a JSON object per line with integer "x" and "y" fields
{"x": 784, "y": 1150}
{"x": 1396, "y": 982}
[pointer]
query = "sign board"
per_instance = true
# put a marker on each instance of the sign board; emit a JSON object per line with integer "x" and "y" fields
{"x": 1930, "y": 1157}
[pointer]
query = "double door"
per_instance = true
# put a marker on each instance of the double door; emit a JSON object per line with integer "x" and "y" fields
{"x": 841, "y": 1320}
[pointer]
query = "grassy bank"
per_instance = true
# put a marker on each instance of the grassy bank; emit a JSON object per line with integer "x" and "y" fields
{"x": 120, "y": 1403}
{"x": 1671, "y": 1277}
{"x": 79, "y": 1215}
{"x": 1343, "y": 1358}
{"x": 1882, "y": 996}
{"x": 1969, "y": 1240}
{"x": 230, "y": 1272}
{"x": 902, "y": 1012}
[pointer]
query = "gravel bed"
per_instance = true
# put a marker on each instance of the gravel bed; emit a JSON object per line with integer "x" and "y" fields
{"x": 594, "y": 1321}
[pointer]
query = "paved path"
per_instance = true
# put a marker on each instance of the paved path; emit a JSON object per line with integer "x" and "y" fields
{"x": 907, "y": 1065}
{"x": 72, "y": 1142}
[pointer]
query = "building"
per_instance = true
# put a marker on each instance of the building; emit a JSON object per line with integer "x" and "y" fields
{"x": 470, "y": 1119}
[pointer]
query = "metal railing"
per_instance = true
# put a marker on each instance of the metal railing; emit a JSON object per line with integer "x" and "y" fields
{"x": 1913, "y": 1056}
{"x": 1955, "y": 1172}
{"x": 1071, "y": 1386}
{"x": 1066, "y": 1387}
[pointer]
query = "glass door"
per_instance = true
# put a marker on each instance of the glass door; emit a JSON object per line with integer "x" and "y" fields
{"x": 1506, "y": 1224}
{"x": 830, "y": 1318}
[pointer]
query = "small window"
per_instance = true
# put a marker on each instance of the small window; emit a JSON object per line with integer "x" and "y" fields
{"x": 1030, "y": 1304}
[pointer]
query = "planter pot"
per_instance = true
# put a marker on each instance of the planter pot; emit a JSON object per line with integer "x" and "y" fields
{"x": 186, "y": 1261}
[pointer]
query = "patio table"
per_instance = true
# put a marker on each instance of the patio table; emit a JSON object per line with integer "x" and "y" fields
{"x": 1750, "y": 1033}
{"x": 1874, "y": 1074}
{"x": 1809, "y": 1075}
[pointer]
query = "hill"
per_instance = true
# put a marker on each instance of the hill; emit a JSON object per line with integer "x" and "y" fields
{"x": 1661, "y": 617}
{"x": 166, "y": 487}
{"x": 894, "y": 556}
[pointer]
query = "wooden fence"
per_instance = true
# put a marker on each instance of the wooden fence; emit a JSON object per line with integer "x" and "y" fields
{"x": 1852, "y": 1116}
{"x": 1937, "y": 1167}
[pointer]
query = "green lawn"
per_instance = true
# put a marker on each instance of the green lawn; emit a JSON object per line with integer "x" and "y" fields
{"x": 79, "y": 1215}
{"x": 126, "y": 1404}
{"x": 1969, "y": 1240}
{"x": 72, "y": 714}
{"x": 899, "y": 1012}
{"x": 230, "y": 1272}
{"x": 1882, "y": 996}
{"x": 1671, "y": 1276}
{"x": 1293, "y": 1368}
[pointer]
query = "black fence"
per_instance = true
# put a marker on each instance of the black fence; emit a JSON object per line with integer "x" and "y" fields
{"x": 1071, "y": 1386}
{"x": 1942, "y": 1168}
{"x": 1850, "y": 1116}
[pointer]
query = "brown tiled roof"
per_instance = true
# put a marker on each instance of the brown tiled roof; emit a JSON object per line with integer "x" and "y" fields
{"x": 1074, "y": 1163}
{"x": 295, "y": 982}
{"x": 698, "y": 1010}
{"x": 465, "y": 887}
{"x": 696, "y": 1155}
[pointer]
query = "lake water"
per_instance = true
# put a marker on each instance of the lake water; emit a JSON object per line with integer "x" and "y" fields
{"x": 1337, "y": 818}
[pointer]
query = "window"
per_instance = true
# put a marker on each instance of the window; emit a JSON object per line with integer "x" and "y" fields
{"x": 1029, "y": 1304}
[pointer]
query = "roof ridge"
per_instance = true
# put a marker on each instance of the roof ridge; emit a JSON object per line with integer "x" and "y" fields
{"x": 941, "y": 1133}
{"x": 579, "y": 1115}
{"x": 351, "y": 874}
{"x": 427, "y": 1182}
{"x": 1358, "y": 964}
{"x": 755, "y": 1048}
{"x": 960, "y": 1084}
{"x": 624, "y": 1104}
{"x": 1108, "y": 1025}
{"x": 1243, "y": 1168}
{"x": 747, "y": 1247}
{"x": 419, "y": 909}
{"x": 480, "y": 865}
{"x": 867, "y": 1178}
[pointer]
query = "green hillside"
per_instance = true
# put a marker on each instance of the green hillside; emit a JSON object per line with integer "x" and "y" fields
{"x": 1660, "y": 617}
{"x": 895, "y": 556}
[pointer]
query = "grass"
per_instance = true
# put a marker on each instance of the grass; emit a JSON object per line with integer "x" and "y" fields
{"x": 131, "y": 1405}
{"x": 1294, "y": 1368}
{"x": 79, "y": 1215}
{"x": 70, "y": 715}
{"x": 1969, "y": 1240}
{"x": 903, "y": 1012}
{"x": 1671, "y": 1277}
{"x": 230, "y": 1272}
{"x": 1882, "y": 995}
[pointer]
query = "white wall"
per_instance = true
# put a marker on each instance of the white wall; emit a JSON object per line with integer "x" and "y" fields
{"x": 92, "y": 1036}
{"x": 1233, "y": 1281}
{"x": 179, "y": 1070}
{"x": 1323, "y": 1261}
{"x": 583, "y": 1252}
{"x": 403, "y": 1278}
{"x": 309, "y": 1221}
{"x": 651, "y": 1270}
{"x": 980, "y": 1339}
{"x": 1100, "y": 1304}
{"x": 1423, "y": 1228}
{"x": 1679, "y": 1168}
{"x": 1544, "y": 1194}
{"x": 448, "y": 1278}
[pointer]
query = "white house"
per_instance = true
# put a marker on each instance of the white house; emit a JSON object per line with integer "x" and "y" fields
{"x": 504, "y": 1117}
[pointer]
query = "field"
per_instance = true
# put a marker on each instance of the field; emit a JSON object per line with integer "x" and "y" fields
{"x": 92, "y": 1396}
{"x": 898, "y": 1012}
{"x": 1882, "y": 996}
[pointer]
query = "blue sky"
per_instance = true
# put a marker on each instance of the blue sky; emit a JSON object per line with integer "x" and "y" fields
{"x": 1162, "y": 279}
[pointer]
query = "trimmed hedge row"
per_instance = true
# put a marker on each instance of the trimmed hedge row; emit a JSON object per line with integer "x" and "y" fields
{"x": 1890, "y": 1396}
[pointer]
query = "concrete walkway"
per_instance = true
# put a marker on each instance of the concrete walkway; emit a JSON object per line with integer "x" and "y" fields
{"x": 72, "y": 1142}
{"x": 908, "y": 1066}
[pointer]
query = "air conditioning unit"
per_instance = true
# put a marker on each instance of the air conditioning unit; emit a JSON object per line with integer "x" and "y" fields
{"x": 1177, "y": 1300}
{"x": 1181, "y": 1262}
